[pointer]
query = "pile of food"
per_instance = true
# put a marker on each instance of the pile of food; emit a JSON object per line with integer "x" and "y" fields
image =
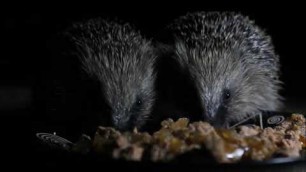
{"x": 247, "y": 142}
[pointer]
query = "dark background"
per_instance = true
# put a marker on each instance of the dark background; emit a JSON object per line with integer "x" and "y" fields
{"x": 25, "y": 59}
{"x": 27, "y": 30}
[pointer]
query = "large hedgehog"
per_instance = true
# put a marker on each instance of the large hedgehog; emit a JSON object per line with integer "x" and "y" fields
{"x": 230, "y": 61}
{"x": 120, "y": 62}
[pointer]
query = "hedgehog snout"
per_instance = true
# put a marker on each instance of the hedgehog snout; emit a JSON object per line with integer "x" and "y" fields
{"x": 121, "y": 121}
{"x": 215, "y": 115}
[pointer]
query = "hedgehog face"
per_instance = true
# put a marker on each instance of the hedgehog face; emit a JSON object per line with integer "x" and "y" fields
{"x": 219, "y": 88}
{"x": 229, "y": 88}
{"x": 217, "y": 75}
{"x": 127, "y": 77}
{"x": 131, "y": 97}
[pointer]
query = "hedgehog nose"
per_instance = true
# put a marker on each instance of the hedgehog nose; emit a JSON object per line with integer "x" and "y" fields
{"x": 120, "y": 122}
{"x": 209, "y": 116}
{"x": 210, "y": 113}
{"x": 216, "y": 116}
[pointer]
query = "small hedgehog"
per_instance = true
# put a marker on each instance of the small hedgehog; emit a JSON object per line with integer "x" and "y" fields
{"x": 231, "y": 63}
{"x": 120, "y": 61}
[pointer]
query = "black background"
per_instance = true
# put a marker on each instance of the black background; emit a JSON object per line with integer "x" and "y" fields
{"x": 27, "y": 28}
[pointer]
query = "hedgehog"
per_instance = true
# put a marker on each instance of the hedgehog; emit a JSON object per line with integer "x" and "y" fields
{"x": 231, "y": 63}
{"x": 120, "y": 61}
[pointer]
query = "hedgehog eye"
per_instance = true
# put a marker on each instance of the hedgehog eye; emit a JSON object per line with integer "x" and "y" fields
{"x": 138, "y": 102}
{"x": 226, "y": 94}
{"x": 137, "y": 105}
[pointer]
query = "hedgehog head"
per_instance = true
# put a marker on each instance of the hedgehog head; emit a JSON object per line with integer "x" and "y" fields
{"x": 122, "y": 62}
{"x": 231, "y": 62}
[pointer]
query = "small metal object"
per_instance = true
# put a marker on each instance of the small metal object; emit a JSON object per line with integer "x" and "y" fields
{"x": 275, "y": 119}
{"x": 241, "y": 122}
{"x": 260, "y": 120}
{"x": 55, "y": 141}
{"x": 264, "y": 119}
